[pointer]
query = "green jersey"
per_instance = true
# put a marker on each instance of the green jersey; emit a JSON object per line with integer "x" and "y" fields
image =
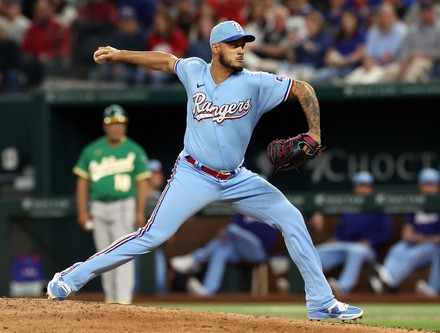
{"x": 112, "y": 172}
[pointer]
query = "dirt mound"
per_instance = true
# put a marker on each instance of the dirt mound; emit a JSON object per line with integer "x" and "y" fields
{"x": 41, "y": 315}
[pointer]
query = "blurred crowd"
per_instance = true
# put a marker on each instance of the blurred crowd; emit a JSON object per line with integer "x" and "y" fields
{"x": 323, "y": 42}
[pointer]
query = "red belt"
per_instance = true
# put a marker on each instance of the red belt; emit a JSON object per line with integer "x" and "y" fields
{"x": 214, "y": 173}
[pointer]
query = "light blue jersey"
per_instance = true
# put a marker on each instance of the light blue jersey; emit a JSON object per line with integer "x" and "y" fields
{"x": 214, "y": 117}
{"x": 220, "y": 120}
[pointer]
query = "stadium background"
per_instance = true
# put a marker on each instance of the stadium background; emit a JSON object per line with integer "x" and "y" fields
{"x": 389, "y": 129}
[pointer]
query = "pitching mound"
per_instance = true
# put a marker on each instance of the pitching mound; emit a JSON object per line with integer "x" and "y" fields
{"x": 41, "y": 315}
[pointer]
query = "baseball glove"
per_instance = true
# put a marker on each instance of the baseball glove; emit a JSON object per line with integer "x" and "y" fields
{"x": 288, "y": 154}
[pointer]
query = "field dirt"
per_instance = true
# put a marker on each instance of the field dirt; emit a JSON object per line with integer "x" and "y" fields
{"x": 41, "y": 315}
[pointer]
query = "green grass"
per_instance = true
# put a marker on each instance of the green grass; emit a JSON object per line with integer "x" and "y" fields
{"x": 415, "y": 316}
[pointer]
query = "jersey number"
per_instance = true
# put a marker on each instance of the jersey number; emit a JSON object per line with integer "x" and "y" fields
{"x": 122, "y": 183}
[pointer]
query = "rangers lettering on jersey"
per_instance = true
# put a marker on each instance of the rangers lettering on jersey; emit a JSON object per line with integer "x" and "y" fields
{"x": 204, "y": 109}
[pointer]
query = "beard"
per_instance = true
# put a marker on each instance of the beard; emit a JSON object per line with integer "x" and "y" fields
{"x": 228, "y": 64}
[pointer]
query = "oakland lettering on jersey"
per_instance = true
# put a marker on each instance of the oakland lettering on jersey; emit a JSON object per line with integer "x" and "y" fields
{"x": 111, "y": 166}
{"x": 204, "y": 109}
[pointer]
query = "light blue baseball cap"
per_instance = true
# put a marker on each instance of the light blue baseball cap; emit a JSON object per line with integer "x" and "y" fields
{"x": 155, "y": 165}
{"x": 228, "y": 31}
{"x": 429, "y": 176}
{"x": 363, "y": 178}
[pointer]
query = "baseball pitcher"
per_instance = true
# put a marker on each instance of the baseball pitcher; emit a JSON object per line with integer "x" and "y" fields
{"x": 225, "y": 103}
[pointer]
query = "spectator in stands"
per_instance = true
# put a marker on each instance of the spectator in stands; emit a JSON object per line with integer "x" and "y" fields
{"x": 296, "y": 22}
{"x": 15, "y": 23}
{"x": 65, "y": 12}
{"x": 271, "y": 49}
{"x": 421, "y": 50}
{"x": 100, "y": 12}
{"x": 145, "y": 10}
{"x": 2, "y": 7}
{"x": 204, "y": 8}
{"x": 243, "y": 240}
{"x": 257, "y": 23}
{"x": 230, "y": 9}
{"x": 346, "y": 52}
{"x": 298, "y": 7}
{"x": 200, "y": 31}
{"x": 383, "y": 47}
{"x": 26, "y": 7}
{"x": 307, "y": 56}
{"x": 401, "y": 6}
{"x": 366, "y": 10}
{"x": 333, "y": 15}
{"x": 128, "y": 36}
{"x": 412, "y": 15}
{"x": 356, "y": 239}
{"x": 46, "y": 45}
{"x": 166, "y": 37}
{"x": 9, "y": 63}
{"x": 420, "y": 239}
{"x": 185, "y": 14}
{"x": 95, "y": 26}
{"x": 257, "y": 20}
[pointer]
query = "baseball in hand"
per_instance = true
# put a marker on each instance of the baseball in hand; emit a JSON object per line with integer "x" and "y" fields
{"x": 88, "y": 226}
{"x": 98, "y": 61}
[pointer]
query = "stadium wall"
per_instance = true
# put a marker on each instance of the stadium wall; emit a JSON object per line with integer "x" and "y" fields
{"x": 387, "y": 129}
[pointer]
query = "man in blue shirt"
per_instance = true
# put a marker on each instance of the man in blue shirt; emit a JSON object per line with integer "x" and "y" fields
{"x": 420, "y": 239}
{"x": 356, "y": 239}
{"x": 243, "y": 240}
